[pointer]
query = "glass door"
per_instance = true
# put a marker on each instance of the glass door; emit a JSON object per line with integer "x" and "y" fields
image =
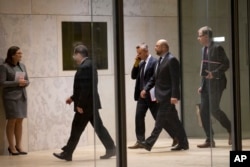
{"x": 207, "y": 77}
{"x": 103, "y": 81}
{"x": 244, "y": 27}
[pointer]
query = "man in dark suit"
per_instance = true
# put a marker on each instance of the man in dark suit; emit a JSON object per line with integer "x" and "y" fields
{"x": 214, "y": 65}
{"x": 86, "y": 104}
{"x": 142, "y": 71}
{"x": 167, "y": 93}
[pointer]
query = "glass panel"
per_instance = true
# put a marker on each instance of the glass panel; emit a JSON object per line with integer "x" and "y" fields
{"x": 244, "y": 71}
{"x": 101, "y": 54}
{"x": 219, "y": 84}
{"x": 48, "y": 34}
{"x": 191, "y": 79}
{"x": 213, "y": 112}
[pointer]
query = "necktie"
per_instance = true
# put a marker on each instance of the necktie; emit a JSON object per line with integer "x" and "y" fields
{"x": 206, "y": 53}
{"x": 204, "y": 64}
{"x": 158, "y": 66}
{"x": 142, "y": 74}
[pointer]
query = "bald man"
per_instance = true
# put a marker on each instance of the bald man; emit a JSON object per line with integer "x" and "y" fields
{"x": 167, "y": 92}
{"x": 142, "y": 71}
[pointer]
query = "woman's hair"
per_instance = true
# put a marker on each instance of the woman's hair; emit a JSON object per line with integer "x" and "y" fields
{"x": 11, "y": 52}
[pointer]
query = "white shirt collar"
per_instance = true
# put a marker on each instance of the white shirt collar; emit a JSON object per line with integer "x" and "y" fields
{"x": 148, "y": 58}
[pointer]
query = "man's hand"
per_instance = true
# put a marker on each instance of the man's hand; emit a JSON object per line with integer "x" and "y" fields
{"x": 143, "y": 94}
{"x": 209, "y": 75}
{"x": 79, "y": 110}
{"x": 199, "y": 90}
{"x": 137, "y": 61}
{"x": 173, "y": 100}
{"x": 69, "y": 100}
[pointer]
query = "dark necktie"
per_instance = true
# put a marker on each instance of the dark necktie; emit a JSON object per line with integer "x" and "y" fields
{"x": 142, "y": 75}
{"x": 206, "y": 53}
{"x": 204, "y": 64}
{"x": 158, "y": 66}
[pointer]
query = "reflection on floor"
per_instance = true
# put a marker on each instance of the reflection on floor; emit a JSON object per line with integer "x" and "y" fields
{"x": 160, "y": 156}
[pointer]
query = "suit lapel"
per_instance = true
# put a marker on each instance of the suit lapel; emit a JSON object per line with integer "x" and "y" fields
{"x": 21, "y": 67}
{"x": 148, "y": 65}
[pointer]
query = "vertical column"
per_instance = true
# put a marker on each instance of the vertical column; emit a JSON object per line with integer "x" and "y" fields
{"x": 237, "y": 136}
{"x": 2, "y": 125}
{"x": 121, "y": 138}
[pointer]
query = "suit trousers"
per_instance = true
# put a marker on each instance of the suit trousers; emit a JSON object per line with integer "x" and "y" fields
{"x": 143, "y": 104}
{"x": 167, "y": 118}
{"x": 79, "y": 123}
{"x": 210, "y": 106}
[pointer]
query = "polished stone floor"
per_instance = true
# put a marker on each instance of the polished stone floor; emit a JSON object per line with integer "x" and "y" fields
{"x": 160, "y": 156}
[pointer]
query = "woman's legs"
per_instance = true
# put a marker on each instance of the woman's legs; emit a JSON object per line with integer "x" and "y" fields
{"x": 14, "y": 129}
{"x": 18, "y": 133}
{"x": 10, "y": 133}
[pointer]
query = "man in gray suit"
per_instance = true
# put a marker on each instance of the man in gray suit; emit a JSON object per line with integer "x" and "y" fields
{"x": 167, "y": 93}
{"x": 213, "y": 82}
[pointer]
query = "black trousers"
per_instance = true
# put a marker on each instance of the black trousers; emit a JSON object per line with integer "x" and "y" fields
{"x": 210, "y": 106}
{"x": 143, "y": 104}
{"x": 167, "y": 118}
{"x": 79, "y": 123}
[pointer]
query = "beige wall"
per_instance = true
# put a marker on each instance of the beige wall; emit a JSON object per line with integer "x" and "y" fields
{"x": 33, "y": 25}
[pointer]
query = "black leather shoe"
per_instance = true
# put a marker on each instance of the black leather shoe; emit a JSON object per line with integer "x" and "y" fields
{"x": 175, "y": 142}
{"x": 109, "y": 153}
{"x": 136, "y": 146}
{"x": 206, "y": 145}
{"x": 145, "y": 146}
{"x": 180, "y": 147}
{"x": 63, "y": 155}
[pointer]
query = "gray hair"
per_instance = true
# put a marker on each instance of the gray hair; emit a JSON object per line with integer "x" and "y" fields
{"x": 206, "y": 31}
{"x": 142, "y": 46}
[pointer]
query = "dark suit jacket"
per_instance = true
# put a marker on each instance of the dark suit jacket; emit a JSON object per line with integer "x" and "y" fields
{"x": 85, "y": 93}
{"x": 167, "y": 81}
{"x": 218, "y": 64}
{"x": 149, "y": 72}
{"x": 11, "y": 88}
{"x": 218, "y": 61}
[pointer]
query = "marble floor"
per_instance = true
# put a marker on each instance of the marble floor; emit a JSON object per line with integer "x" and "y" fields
{"x": 160, "y": 156}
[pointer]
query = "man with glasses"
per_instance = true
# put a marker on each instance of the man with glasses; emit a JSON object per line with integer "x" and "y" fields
{"x": 213, "y": 67}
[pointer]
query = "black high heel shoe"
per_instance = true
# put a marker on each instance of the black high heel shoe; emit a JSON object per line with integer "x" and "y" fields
{"x": 21, "y": 152}
{"x": 11, "y": 153}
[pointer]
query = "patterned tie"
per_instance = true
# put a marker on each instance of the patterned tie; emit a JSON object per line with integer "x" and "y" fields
{"x": 142, "y": 75}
